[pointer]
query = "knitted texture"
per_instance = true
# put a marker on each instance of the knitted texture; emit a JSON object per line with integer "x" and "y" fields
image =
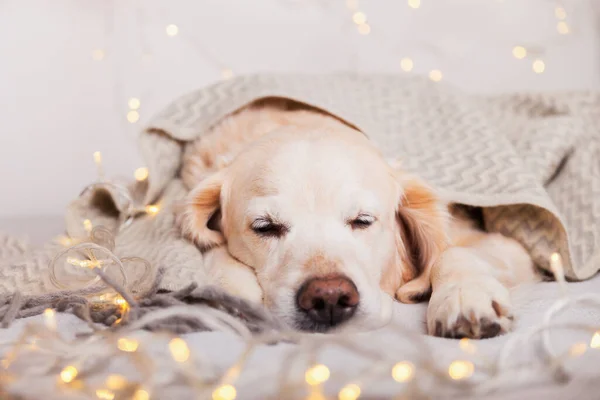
{"x": 530, "y": 160}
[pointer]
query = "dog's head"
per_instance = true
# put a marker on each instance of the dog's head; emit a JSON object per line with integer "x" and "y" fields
{"x": 332, "y": 231}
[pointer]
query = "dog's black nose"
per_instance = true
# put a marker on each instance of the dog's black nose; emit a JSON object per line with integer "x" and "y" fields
{"x": 328, "y": 301}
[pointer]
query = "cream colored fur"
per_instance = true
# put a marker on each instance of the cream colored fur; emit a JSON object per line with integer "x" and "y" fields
{"x": 314, "y": 173}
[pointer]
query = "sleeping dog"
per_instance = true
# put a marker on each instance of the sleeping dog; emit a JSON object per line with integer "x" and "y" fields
{"x": 299, "y": 211}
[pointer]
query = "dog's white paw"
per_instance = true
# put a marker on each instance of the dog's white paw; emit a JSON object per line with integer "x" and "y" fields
{"x": 475, "y": 308}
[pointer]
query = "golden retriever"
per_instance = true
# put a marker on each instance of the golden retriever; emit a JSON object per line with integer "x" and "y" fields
{"x": 298, "y": 210}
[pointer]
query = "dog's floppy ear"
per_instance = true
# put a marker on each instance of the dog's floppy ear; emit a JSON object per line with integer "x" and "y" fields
{"x": 199, "y": 217}
{"x": 421, "y": 237}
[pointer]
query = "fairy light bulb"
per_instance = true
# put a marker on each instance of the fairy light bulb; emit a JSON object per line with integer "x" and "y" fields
{"x": 562, "y": 27}
{"x": 317, "y": 375}
{"x": 406, "y": 64}
{"x": 467, "y": 346}
{"x": 127, "y": 345}
{"x": 68, "y": 374}
{"x": 116, "y": 382}
{"x": 316, "y": 395}
{"x": 349, "y": 392}
{"x": 50, "y": 319}
{"x": 133, "y": 116}
{"x": 519, "y": 52}
{"x": 560, "y": 13}
{"x": 141, "y": 394}
{"x": 179, "y": 350}
{"x": 83, "y": 263}
{"x": 538, "y": 67}
{"x": 359, "y": 18}
{"x": 105, "y": 394}
{"x": 224, "y": 392}
{"x": 403, "y": 371}
{"x": 226, "y": 73}
{"x": 172, "y": 30}
{"x": 134, "y": 103}
{"x": 65, "y": 241}
{"x": 595, "y": 342}
{"x": 98, "y": 54}
{"x": 364, "y": 29}
{"x": 352, "y": 4}
{"x": 152, "y": 209}
{"x": 98, "y": 161}
{"x": 460, "y": 369}
{"x": 578, "y": 349}
{"x": 414, "y": 3}
{"x": 141, "y": 174}
{"x": 87, "y": 225}
{"x": 435, "y": 75}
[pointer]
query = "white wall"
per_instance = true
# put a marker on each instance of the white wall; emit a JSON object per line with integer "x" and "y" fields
{"x": 58, "y": 105}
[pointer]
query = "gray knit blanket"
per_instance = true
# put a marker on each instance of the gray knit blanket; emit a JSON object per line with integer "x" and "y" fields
{"x": 531, "y": 161}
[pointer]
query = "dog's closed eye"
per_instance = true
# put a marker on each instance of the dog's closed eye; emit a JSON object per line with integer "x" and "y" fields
{"x": 266, "y": 227}
{"x": 362, "y": 221}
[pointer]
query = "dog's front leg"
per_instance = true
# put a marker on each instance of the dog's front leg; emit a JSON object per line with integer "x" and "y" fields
{"x": 468, "y": 299}
{"x": 234, "y": 277}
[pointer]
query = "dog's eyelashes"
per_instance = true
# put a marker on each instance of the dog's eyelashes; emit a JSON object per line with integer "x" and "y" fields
{"x": 267, "y": 228}
{"x": 363, "y": 221}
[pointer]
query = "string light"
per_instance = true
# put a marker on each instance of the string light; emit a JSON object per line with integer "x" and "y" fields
{"x": 316, "y": 375}
{"x": 435, "y": 75}
{"x": 226, "y": 74}
{"x": 562, "y": 27}
{"x": 98, "y": 55}
{"x": 50, "y": 319}
{"x": 87, "y": 225}
{"x": 578, "y": 349}
{"x": 65, "y": 241}
{"x": 352, "y": 4}
{"x": 224, "y": 392}
{"x": 141, "y": 394}
{"x": 105, "y": 394}
{"x": 172, "y": 30}
{"x": 179, "y": 350}
{"x": 349, "y": 392}
{"x": 359, "y": 18}
{"x": 84, "y": 263}
{"x": 141, "y": 174}
{"x": 519, "y": 52}
{"x": 316, "y": 395}
{"x": 556, "y": 265}
{"x": 538, "y": 67}
{"x": 403, "y": 371}
{"x": 460, "y": 369}
{"x": 127, "y": 345}
{"x": 133, "y": 116}
{"x": 121, "y": 303}
{"x": 98, "y": 161}
{"x": 595, "y": 342}
{"x": 68, "y": 374}
{"x": 116, "y": 382}
{"x": 134, "y": 103}
{"x": 560, "y": 13}
{"x": 406, "y": 64}
{"x": 467, "y": 346}
{"x": 152, "y": 209}
{"x": 364, "y": 29}
{"x": 414, "y": 3}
